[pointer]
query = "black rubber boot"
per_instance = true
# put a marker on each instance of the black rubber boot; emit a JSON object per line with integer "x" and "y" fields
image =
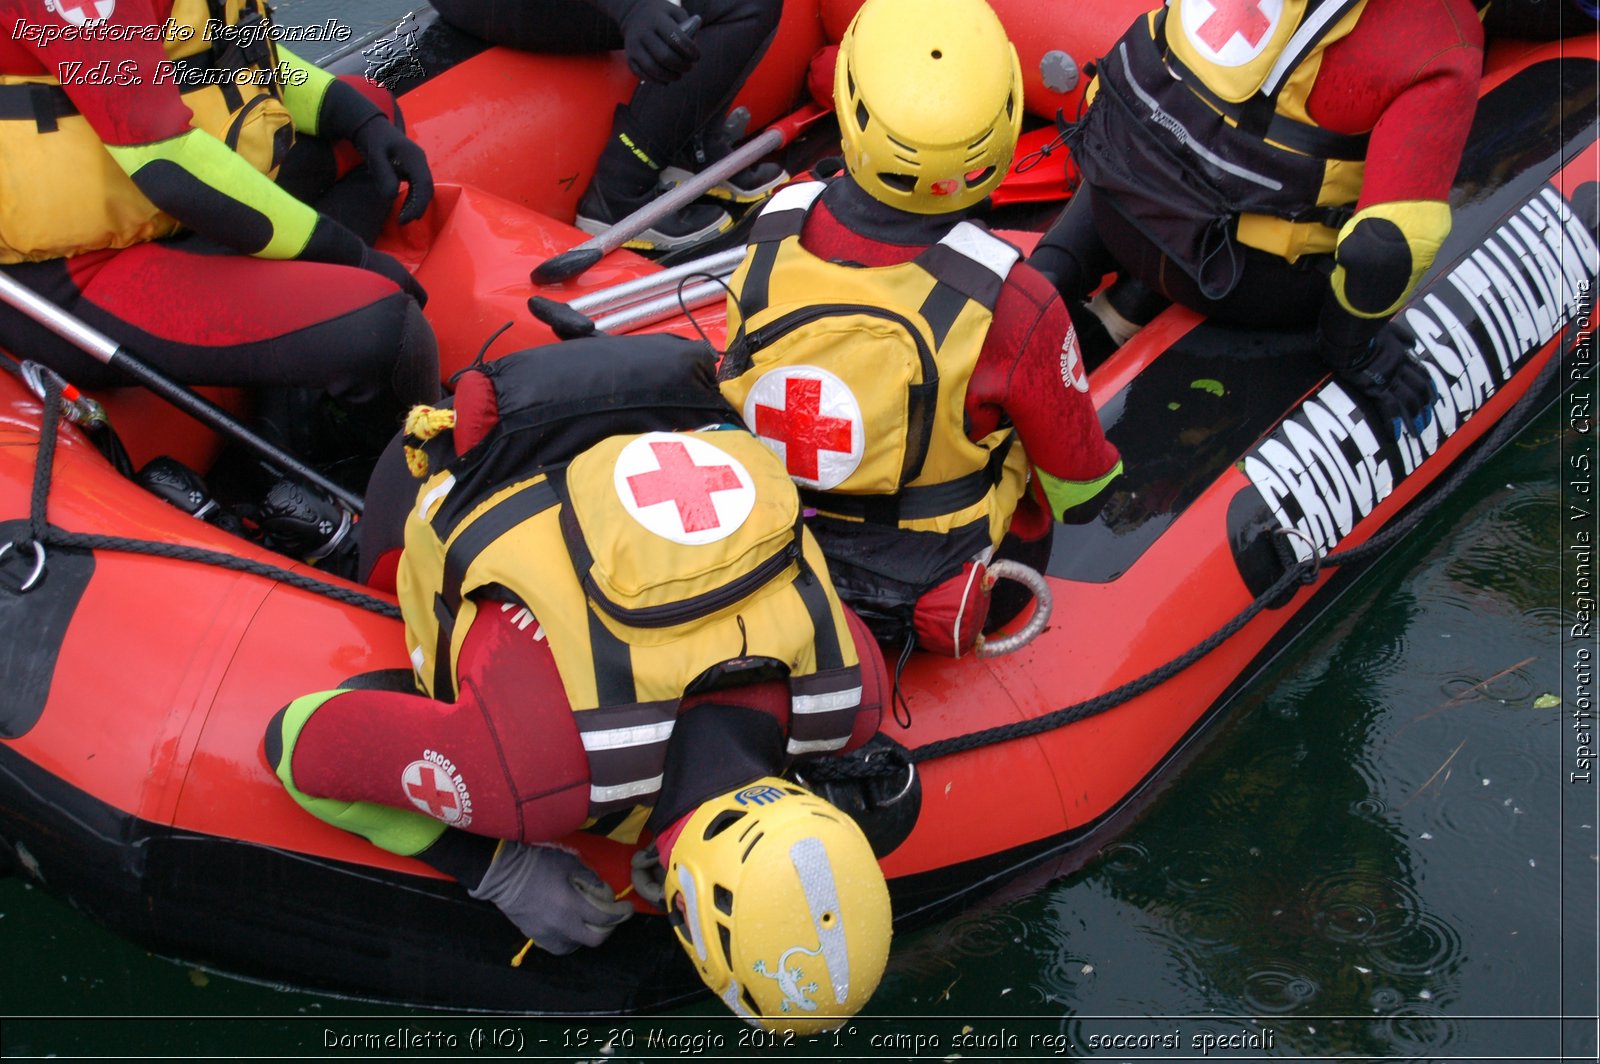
{"x": 302, "y": 523}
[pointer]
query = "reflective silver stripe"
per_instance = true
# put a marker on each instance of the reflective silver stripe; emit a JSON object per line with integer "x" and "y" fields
{"x": 810, "y": 860}
{"x": 1310, "y": 29}
{"x": 815, "y": 746}
{"x": 437, "y": 492}
{"x": 601, "y": 795}
{"x": 826, "y": 701}
{"x": 634, "y": 735}
{"x": 691, "y": 905}
{"x": 1172, "y": 125}
{"x": 794, "y": 197}
{"x": 985, "y": 249}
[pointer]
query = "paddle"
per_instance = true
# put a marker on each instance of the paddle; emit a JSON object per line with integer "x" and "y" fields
{"x": 107, "y": 351}
{"x": 573, "y": 261}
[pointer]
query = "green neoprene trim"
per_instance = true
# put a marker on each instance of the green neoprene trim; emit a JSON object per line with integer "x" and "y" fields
{"x": 212, "y": 162}
{"x": 400, "y": 831}
{"x": 1063, "y": 495}
{"x": 303, "y": 95}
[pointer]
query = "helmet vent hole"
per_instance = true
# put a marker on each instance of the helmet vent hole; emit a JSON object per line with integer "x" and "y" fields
{"x": 861, "y": 116}
{"x": 749, "y": 1002}
{"x": 978, "y": 177}
{"x": 722, "y": 822}
{"x": 726, "y": 938}
{"x": 828, "y": 919}
{"x": 723, "y": 897}
{"x": 937, "y": 54}
{"x": 899, "y": 182}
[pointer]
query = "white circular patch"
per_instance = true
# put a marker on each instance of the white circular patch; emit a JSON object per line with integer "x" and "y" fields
{"x": 682, "y": 488}
{"x": 82, "y": 12}
{"x": 1231, "y": 33}
{"x": 1072, "y": 371}
{"x": 811, "y": 418}
{"x": 432, "y": 790}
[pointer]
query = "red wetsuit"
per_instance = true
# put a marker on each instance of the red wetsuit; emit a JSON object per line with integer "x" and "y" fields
{"x": 190, "y": 304}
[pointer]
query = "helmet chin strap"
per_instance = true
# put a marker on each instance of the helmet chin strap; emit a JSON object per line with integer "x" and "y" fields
{"x": 810, "y": 860}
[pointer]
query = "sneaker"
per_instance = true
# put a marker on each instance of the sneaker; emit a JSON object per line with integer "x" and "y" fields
{"x": 690, "y": 224}
{"x": 751, "y": 185}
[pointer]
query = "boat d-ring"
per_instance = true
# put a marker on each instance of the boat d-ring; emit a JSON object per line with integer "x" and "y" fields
{"x": 911, "y": 778}
{"x": 38, "y": 564}
{"x": 1007, "y": 569}
{"x": 1310, "y": 577}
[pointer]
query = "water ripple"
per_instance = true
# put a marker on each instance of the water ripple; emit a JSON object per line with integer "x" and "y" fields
{"x": 984, "y": 933}
{"x": 1417, "y": 1031}
{"x": 1419, "y": 944}
{"x": 1279, "y": 990}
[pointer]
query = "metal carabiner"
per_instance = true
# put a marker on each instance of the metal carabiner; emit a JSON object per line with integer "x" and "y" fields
{"x": 38, "y": 564}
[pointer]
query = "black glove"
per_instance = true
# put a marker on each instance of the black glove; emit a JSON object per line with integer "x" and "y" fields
{"x": 552, "y": 896}
{"x": 1390, "y": 375}
{"x": 391, "y": 156}
{"x": 386, "y": 265}
{"x": 658, "y": 37}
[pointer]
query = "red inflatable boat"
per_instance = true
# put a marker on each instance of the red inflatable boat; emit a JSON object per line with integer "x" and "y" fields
{"x": 139, "y": 681}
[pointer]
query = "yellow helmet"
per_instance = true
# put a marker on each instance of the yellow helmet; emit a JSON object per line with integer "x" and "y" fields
{"x": 929, "y": 99}
{"x": 780, "y": 903}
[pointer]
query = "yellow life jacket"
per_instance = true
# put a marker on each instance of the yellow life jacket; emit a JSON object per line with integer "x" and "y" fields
{"x": 61, "y": 192}
{"x": 1256, "y": 64}
{"x": 858, "y": 376}
{"x": 654, "y": 564}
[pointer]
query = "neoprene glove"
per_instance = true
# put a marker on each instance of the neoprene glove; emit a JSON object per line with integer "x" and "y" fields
{"x": 391, "y": 156}
{"x": 657, "y": 37}
{"x": 386, "y": 265}
{"x": 1400, "y": 386}
{"x": 552, "y": 896}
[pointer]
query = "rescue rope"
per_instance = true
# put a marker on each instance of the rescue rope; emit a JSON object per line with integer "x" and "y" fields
{"x": 42, "y": 534}
{"x": 880, "y": 763}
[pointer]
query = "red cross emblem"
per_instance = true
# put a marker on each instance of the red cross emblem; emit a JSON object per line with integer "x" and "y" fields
{"x": 811, "y": 417}
{"x": 84, "y": 12}
{"x": 687, "y": 484}
{"x": 431, "y": 791}
{"x": 1229, "y": 17}
{"x": 801, "y": 427}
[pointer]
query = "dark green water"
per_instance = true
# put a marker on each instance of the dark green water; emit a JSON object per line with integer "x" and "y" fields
{"x": 1380, "y": 854}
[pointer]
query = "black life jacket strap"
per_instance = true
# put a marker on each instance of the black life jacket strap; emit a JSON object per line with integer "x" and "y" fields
{"x": 918, "y": 502}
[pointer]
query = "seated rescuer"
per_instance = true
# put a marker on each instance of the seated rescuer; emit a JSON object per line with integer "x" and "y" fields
{"x": 1298, "y": 173}
{"x": 146, "y": 204}
{"x": 673, "y": 123}
{"x": 618, "y": 625}
{"x": 907, "y": 367}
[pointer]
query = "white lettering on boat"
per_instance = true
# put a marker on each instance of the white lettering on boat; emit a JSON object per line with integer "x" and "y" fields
{"x": 1327, "y": 466}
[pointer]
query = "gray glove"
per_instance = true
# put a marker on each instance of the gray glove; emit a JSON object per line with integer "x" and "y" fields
{"x": 649, "y": 878}
{"x": 552, "y": 896}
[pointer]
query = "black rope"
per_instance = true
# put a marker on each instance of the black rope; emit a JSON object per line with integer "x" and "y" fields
{"x": 56, "y": 537}
{"x": 40, "y": 530}
{"x": 890, "y": 763}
